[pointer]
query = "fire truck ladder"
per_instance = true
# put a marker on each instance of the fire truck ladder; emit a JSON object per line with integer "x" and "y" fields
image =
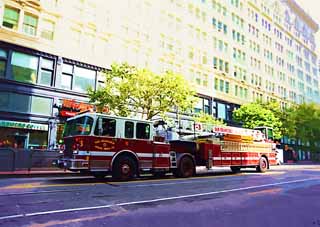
{"x": 173, "y": 159}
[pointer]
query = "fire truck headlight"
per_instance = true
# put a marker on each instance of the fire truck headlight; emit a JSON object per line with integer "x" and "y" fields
{"x": 75, "y": 152}
{"x": 60, "y": 152}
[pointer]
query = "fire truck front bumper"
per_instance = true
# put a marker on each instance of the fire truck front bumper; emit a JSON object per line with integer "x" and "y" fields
{"x": 71, "y": 164}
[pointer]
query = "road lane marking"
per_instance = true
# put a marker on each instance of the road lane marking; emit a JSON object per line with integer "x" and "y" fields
{"x": 117, "y": 212}
{"x": 28, "y": 186}
{"x": 41, "y": 192}
{"x": 153, "y": 200}
{"x": 266, "y": 191}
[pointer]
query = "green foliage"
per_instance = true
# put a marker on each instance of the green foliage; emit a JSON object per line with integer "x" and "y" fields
{"x": 282, "y": 114}
{"x": 299, "y": 121}
{"x": 130, "y": 90}
{"x": 207, "y": 119}
{"x": 252, "y": 115}
{"x": 305, "y": 123}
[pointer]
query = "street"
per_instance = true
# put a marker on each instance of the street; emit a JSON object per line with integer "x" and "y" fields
{"x": 284, "y": 196}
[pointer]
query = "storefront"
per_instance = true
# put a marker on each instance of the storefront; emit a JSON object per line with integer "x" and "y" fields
{"x": 25, "y": 135}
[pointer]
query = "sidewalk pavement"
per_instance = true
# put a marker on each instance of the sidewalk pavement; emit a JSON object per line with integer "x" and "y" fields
{"x": 302, "y": 162}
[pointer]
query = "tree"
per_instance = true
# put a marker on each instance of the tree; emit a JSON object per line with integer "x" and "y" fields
{"x": 283, "y": 114}
{"x": 129, "y": 90}
{"x": 252, "y": 115}
{"x": 305, "y": 124}
{"x": 207, "y": 119}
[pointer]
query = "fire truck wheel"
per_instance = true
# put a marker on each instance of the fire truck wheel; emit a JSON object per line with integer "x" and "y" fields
{"x": 235, "y": 169}
{"x": 186, "y": 167}
{"x": 263, "y": 165}
{"x": 124, "y": 168}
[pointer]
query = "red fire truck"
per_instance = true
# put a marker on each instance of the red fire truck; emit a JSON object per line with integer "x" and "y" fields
{"x": 125, "y": 147}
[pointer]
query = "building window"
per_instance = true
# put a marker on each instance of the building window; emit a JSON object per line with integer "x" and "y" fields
{"x": 38, "y": 139}
{"x": 47, "y": 29}
{"x": 101, "y": 85}
{"x": 76, "y": 78}
{"x": 3, "y": 63}
{"x": 227, "y": 87}
{"x": 30, "y": 24}
{"x": 11, "y": 18}
{"x": 83, "y": 79}
{"x": 198, "y": 106}
{"x": 221, "y": 111}
{"x": 45, "y": 76}
{"x": 24, "y": 67}
{"x": 64, "y": 80}
{"x": 214, "y": 108}
{"x": 13, "y": 102}
{"x": 206, "y": 106}
{"x": 221, "y": 85}
{"x": 216, "y": 83}
{"x": 40, "y": 105}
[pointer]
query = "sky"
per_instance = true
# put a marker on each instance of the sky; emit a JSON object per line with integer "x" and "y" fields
{"x": 312, "y": 8}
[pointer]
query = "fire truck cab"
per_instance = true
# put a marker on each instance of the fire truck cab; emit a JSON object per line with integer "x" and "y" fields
{"x": 100, "y": 144}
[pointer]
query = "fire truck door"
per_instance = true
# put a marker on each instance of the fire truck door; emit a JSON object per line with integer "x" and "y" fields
{"x": 161, "y": 155}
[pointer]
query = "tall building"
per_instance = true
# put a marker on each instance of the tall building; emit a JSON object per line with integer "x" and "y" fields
{"x": 234, "y": 51}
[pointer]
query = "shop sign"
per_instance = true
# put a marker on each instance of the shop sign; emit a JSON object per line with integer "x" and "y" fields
{"x": 70, "y": 108}
{"x": 66, "y": 113}
{"x": 23, "y": 125}
{"x": 79, "y": 106}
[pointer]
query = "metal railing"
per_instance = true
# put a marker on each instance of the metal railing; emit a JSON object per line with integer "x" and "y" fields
{"x": 26, "y": 159}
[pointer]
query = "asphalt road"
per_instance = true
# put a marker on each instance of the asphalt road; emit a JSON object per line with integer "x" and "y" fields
{"x": 284, "y": 196}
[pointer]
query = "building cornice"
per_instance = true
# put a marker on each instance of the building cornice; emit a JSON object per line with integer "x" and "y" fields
{"x": 302, "y": 14}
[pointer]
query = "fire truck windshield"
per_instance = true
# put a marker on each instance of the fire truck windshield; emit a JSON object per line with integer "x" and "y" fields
{"x": 78, "y": 126}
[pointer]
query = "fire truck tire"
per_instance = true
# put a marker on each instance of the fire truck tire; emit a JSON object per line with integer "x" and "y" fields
{"x": 235, "y": 169}
{"x": 124, "y": 168}
{"x": 186, "y": 168}
{"x": 263, "y": 165}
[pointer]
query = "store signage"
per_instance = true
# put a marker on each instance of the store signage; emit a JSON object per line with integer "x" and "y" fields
{"x": 79, "y": 106}
{"x": 23, "y": 125}
{"x": 70, "y": 108}
{"x": 66, "y": 113}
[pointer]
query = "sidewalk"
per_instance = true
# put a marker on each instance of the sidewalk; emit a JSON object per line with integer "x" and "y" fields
{"x": 303, "y": 162}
